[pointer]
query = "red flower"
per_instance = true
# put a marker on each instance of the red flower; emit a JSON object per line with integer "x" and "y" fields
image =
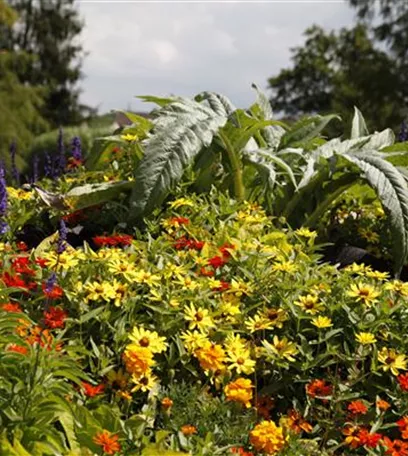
{"x": 403, "y": 427}
{"x": 319, "y": 388}
{"x": 206, "y": 272}
{"x": 11, "y": 307}
{"x": 41, "y": 262}
{"x": 74, "y": 217}
{"x": 216, "y": 262}
{"x": 224, "y": 286}
{"x": 17, "y": 349}
{"x": 21, "y": 265}
{"x": 241, "y": 452}
{"x": 55, "y": 293}
{"x": 176, "y": 221}
{"x": 91, "y": 390}
{"x": 22, "y": 246}
{"x": 115, "y": 240}
{"x": 55, "y": 317}
{"x": 224, "y": 249}
{"x": 14, "y": 281}
{"x": 403, "y": 381}
{"x": 357, "y": 408}
{"x": 369, "y": 440}
{"x": 183, "y": 242}
{"x": 395, "y": 447}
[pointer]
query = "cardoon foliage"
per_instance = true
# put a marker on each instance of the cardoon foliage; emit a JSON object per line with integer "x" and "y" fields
{"x": 3, "y": 200}
{"x": 14, "y": 171}
{"x": 76, "y": 148}
{"x": 62, "y": 238}
{"x": 403, "y": 134}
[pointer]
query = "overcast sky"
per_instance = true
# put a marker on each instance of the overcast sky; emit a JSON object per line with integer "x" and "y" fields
{"x": 162, "y": 48}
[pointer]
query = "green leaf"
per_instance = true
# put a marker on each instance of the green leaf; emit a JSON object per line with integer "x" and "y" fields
{"x": 358, "y": 126}
{"x": 217, "y": 102}
{"x": 93, "y": 194}
{"x": 305, "y": 129}
{"x": 67, "y": 423}
{"x": 263, "y": 102}
{"x": 392, "y": 191}
{"x": 182, "y": 129}
{"x": 160, "y": 101}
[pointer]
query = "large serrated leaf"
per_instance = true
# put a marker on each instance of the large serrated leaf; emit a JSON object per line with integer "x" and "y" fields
{"x": 392, "y": 190}
{"x": 181, "y": 130}
{"x": 220, "y": 104}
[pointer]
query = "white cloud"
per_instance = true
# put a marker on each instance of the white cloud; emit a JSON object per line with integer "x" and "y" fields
{"x": 186, "y": 48}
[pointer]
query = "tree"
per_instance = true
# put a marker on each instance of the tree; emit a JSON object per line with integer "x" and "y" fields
{"x": 20, "y": 116}
{"x": 49, "y": 30}
{"x": 336, "y": 71}
{"x": 393, "y": 27}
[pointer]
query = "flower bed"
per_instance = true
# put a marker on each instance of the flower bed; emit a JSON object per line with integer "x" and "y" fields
{"x": 213, "y": 333}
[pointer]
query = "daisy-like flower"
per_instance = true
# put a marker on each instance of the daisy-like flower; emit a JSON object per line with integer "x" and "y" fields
{"x": 99, "y": 291}
{"x": 281, "y": 348}
{"x": 147, "y": 278}
{"x": 198, "y": 318}
{"x": 123, "y": 268}
{"x": 241, "y": 361}
{"x": 108, "y": 442}
{"x": 144, "y": 383}
{"x": 257, "y": 323}
{"x": 180, "y": 202}
{"x": 397, "y": 287}
{"x": 391, "y": 360}
{"x": 285, "y": 266}
{"x": 295, "y": 422}
{"x": 239, "y": 391}
{"x": 306, "y": 233}
{"x": 276, "y": 317}
{"x": 365, "y": 338}
{"x": 322, "y": 322}
{"x": 363, "y": 293}
{"x": 194, "y": 340}
{"x": 377, "y": 275}
{"x": 310, "y": 304}
{"x": 148, "y": 339}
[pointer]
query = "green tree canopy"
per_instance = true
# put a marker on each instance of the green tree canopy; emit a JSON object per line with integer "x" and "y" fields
{"x": 49, "y": 30}
{"x": 20, "y": 116}
{"x": 335, "y": 71}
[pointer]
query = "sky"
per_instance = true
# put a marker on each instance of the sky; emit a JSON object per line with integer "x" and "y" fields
{"x": 184, "y": 47}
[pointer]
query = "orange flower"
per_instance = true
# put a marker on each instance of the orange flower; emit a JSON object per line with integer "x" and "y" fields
{"x": 352, "y": 434}
{"x": 267, "y": 437}
{"x": 319, "y": 388}
{"x": 357, "y": 408}
{"x": 91, "y": 390}
{"x": 395, "y": 447}
{"x": 240, "y": 391}
{"x": 403, "y": 427}
{"x": 166, "y": 403}
{"x": 383, "y": 405}
{"x": 188, "y": 429}
{"x": 296, "y": 422}
{"x": 11, "y": 307}
{"x": 403, "y": 381}
{"x": 211, "y": 358}
{"x": 108, "y": 442}
{"x": 17, "y": 349}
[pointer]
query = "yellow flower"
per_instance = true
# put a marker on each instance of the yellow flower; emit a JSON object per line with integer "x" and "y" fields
{"x": 281, "y": 348}
{"x": 187, "y": 283}
{"x": 173, "y": 270}
{"x": 120, "y": 290}
{"x": 366, "y": 338}
{"x": 306, "y": 233}
{"x": 239, "y": 391}
{"x": 211, "y": 357}
{"x": 267, "y": 438}
{"x": 392, "y": 361}
{"x": 310, "y": 304}
{"x": 369, "y": 235}
{"x": 363, "y": 293}
{"x": 241, "y": 361}
{"x": 180, "y": 202}
{"x": 148, "y": 339}
{"x": 146, "y": 277}
{"x": 138, "y": 360}
{"x": 234, "y": 343}
{"x": 119, "y": 267}
{"x": 274, "y": 316}
{"x": 229, "y": 311}
{"x": 118, "y": 378}
{"x": 285, "y": 266}
{"x": 144, "y": 383}
{"x": 198, "y": 318}
{"x": 377, "y": 275}
{"x": 129, "y": 137}
{"x": 322, "y": 322}
{"x": 65, "y": 261}
{"x": 359, "y": 269}
{"x": 97, "y": 291}
{"x": 257, "y": 323}
{"x": 194, "y": 340}
{"x": 398, "y": 287}
{"x": 19, "y": 194}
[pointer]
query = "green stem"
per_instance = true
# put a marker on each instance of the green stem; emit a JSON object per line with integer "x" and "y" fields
{"x": 236, "y": 167}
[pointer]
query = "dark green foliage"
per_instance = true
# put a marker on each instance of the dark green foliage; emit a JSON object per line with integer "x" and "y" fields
{"x": 335, "y": 71}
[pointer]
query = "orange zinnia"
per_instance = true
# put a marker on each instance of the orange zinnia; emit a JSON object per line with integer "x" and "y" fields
{"x": 357, "y": 408}
{"x": 108, "y": 442}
